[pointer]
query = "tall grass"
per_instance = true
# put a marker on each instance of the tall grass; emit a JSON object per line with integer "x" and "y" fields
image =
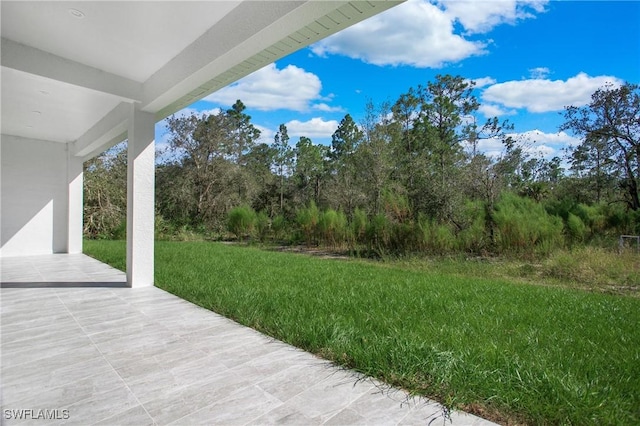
{"x": 510, "y": 352}
{"x": 523, "y": 226}
{"x": 595, "y": 268}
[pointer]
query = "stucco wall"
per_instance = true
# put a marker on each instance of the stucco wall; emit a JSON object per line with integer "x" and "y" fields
{"x": 34, "y": 200}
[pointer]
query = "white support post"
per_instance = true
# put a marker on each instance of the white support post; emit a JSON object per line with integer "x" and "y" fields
{"x": 140, "y": 197}
{"x": 75, "y": 203}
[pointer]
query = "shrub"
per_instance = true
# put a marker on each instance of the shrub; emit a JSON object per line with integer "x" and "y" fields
{"x": 279, "y": 226}
{"x": 523, "y": 226}
{"x": 403, "y": 237}
{"x": 594, "y": 217}
{"x": 262, "y": 226}
{"x": 473, "y": 237}
{"x": 396, "y": 206}
{"x": 435, "y": 238}
{"x": 378, "y": 234}
{"x": 307, "y": 220}
{"x": 332, "y": 227}
{"x": 359, "y": 223}
{"x": 120, "y": 231}
{"x": 576, "y": 229}
{"x": 241, "y": 221}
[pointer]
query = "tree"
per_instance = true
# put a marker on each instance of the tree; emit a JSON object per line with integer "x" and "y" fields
{"x": 105, "y": 193}
{"x": 345, "y": 139}
{"x": 610, "y": 127}
{"x": 310, "y": 169}
{"x": 374, "y": 154}
{"x": 243, "y": 133}
{"x": 344, "y": 166}
{"x": 259, "y": 163}
{"x": 452, "y": 101}
{"x": 200, "y": 182}
{"x": 283, "y": 158}
{"x": 430, "y": 164}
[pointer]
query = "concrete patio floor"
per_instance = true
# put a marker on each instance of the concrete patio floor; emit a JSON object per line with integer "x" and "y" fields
{"x": 80, "y": 344}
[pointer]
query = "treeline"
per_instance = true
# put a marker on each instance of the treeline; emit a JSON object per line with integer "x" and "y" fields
{"x": 408, "y": 177}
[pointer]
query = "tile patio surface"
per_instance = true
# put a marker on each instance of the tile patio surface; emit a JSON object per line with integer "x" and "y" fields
{"x": 76, "y": 340}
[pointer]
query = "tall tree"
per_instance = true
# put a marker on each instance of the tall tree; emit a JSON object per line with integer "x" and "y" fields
{"x": 310, "y": 169}
{"x": 200, "y": 182}
{"x": 345, "y": 139}
{"x": 444, "y": 122}
{"x": 243, "y": 133}
{"x": 283, "y": 159}
{"x": 610, "y": 124}
{"x": 344, "y": 166}
{"x": 592, "y": 165}
{"x": 432, "y": 176}
{"x": 259, "y": 165}
{"x": 375, "y": 155}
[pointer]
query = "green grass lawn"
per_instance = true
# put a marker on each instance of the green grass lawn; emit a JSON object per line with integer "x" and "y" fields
{"x": 511, "y": 352}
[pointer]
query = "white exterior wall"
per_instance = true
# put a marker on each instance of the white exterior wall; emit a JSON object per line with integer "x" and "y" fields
{"x": 34, "y": 202}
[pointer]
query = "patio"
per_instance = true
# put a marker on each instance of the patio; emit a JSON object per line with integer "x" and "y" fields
{"x": 83, "y": 347}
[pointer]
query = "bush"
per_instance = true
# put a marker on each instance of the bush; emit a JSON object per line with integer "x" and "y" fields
{"x": 378, "y": 234}
{"x": 332, "y": 227}
{"x": 279, "y": 227}
{"x": 396, "y": 206}
{"x": 359, "y": 224}
{"x": 241, "y": 221}
{"x": 403, "y": 237}
{"x": 262, "y": 226}
{"x": 435, "y": 238}
{"x": 523, "y": 226}
{"x": 307, "y": 220}
{"x": 576, "y": 229}
{"x": 473, "y": 237}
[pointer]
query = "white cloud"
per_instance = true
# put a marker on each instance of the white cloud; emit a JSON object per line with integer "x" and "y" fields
{"x": 483, "y": 81}
{"x": 560, "y": 139}
{"x": 185, "y": 112}
{"x": 492, "y": 110}
{"x": 539, "y": 72}
{"x": 266, "y": 134}
{"x": 314, "y": 128}
{"x": 492, "y": 147}
{"x": 421, "y": 33}
{"x": 482, "y": 16}
{"x": 415, "y": 33}
{"x": 547, "y": 145}
{"x": 271, "y": 88}
{"x": 538, "y": 95}
{"x": 327, "y": 108}
{"x": 534, "y": 142}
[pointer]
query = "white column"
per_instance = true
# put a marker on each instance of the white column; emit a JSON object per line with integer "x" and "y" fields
{"x": 75, "y": 203}
{"x": 140, "y": 197}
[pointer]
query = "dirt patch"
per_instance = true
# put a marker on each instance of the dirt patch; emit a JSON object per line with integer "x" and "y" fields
{"x": 312, "y": 251}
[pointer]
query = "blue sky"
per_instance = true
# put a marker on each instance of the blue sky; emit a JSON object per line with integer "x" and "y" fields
{"x": 529, "y": 59}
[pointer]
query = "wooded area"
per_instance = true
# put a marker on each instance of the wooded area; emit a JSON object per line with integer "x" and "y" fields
{"x": 409, "y": 177}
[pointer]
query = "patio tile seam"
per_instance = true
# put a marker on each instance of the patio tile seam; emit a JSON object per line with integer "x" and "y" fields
{"x": 21, "y": 402}
{"x": 232, "y": 396}
{"x": 126, "y": 386}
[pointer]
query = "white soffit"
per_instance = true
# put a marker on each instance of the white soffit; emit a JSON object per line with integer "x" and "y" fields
{"x": 132, "y": 39}
{"x": 67, "y": 65}
{"x": 41, "y": 108}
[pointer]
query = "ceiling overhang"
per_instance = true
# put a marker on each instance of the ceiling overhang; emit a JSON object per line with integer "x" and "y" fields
{"x": 68, "y": 67}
